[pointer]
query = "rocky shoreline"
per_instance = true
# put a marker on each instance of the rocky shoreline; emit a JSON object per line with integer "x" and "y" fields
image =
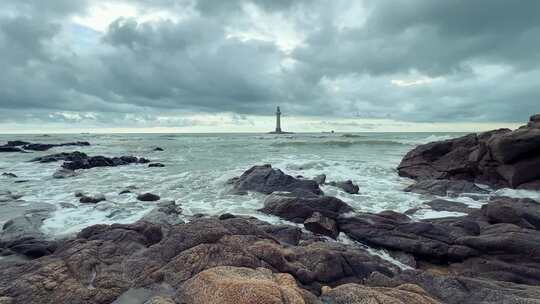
{"x": 326, "y": 252}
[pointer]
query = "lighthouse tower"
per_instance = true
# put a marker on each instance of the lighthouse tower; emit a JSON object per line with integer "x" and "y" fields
{"x": 278, "y": 120}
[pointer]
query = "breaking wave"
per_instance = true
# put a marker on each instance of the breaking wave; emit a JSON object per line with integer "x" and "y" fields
{"x": 338, "y": 143}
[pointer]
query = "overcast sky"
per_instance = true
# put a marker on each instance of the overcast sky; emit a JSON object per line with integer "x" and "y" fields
{"x": 212, "y": 65}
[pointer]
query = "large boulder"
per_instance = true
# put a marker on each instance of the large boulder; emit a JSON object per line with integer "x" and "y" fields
{"x": 265, "y": 179}
{"x": 239, "y": 285}
{"x": 359, "y": 294}
{"x": 297, "y": 209}
{"x": 347, "y": 186}
{"x": 499, "y": 158}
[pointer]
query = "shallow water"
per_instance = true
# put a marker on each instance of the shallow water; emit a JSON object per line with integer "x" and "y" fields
{"x": 197, "y": 166}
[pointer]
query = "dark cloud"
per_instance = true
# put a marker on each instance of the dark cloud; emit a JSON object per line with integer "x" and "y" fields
{"x": 414, "y": 60}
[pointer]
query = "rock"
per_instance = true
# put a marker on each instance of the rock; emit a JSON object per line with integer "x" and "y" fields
{"x": 498, "y": 158}
{"x": 320, "y": 224}
{"x": 521, "y": 212}
{"x": 465, "y": 290}
{"x": 347, "y": 186}
{"x": 9, "y": 174}
{"x": 444, "y": 187}
{"x": 23, "y": 235}
{"x": 65, "y": 156}
{"x": 148, "y": 197}
{"x": 265, "y": 179}
{"x": 85, "y": 199}
{"x": 156, "y": 165}
{"x": 45, "y": 147}
{"x": 82, "y": 161}
{"x": 444, "y": 205}
{"x": 242, "y": 285}
{"x": 393, "y": 231}
{"x": 17, "y": 143}
{"x": 79, "y": 194}
{"x": 166, "y": 213}
{"x": 64, "y": 173}
{"x": 298, "y": 209}
{"x": 359, "y": 294}
{"x": 103, "y": 262}
{"x": 158, "y": 149}
{"x": 8, "y": 149}
{"x": 320, "y": 179}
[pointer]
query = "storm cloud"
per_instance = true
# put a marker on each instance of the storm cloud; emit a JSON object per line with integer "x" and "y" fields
{"x": 114, "y": 62}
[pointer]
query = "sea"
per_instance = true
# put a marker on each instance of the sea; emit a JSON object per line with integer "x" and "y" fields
{"x": 197, "y": 167}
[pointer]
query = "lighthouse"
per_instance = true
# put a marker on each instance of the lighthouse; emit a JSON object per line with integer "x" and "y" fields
{"x": 278, "y": 123}
{"x": 278, "y": 120}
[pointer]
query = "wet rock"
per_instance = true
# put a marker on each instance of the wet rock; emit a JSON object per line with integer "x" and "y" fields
{"x": 319, "y": 224}
{"x": 320, "y": 179}
{"x": 64, "y": 173}
{"x": 22, "y": 235}
{"x": 86, "y": 199}
{"x": 166, "y": 213}
{"x": 148, "y": 197}
{"x": 265, "y": 179}
{"x": 499, "y": 158}
{"x": 522, "y": 212}
{"x": 9, "y": 174}
{"x": 444, "y": 187}
{"x": 444, "y": 205}
{"x": 105, "y": 261}
{"x": 65, "y": 156}
{"x": 158, "y": 149}
{"x": 359, "y": 294}
{"x": 88, "y": 162}
{"x": 243, "y": 286}
{"x": 425, "y": 240}
{"x": 9, "y": 149}
{"x": 17, "y": 143}
{"x": 346, "y": 186}
{"x": 156, "y": 165}
{"x": 465, "y": 290}
{"x": 298, "y": 209}
{"x": 45, "y": 147}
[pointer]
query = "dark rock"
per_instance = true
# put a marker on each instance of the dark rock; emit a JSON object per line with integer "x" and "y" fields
{"x": 10, "y": 149}
{"x": 82, "y": 161}
{"x": 521, "y": 212}
{"x": 319, "y": 224}
{"x": 103, "y": 262}
{"x": 65, "y": 156}
{"x": 45, "y": 147}
{"x": 320, "y": 179}
{"x": 298, "y": 209}
{"x": 85, "y": 199}
{"x": 17, "y": 143}
{"x": 9, "y": 174}
{"x": 265, "y": 179}
{"x": 148, "y": 197}
{"x": 156, "y": 165}
{"x": 158, "y": 149}
{"x": 444, "y": 205}
{"x": 360, "y": 294}
{"x": 226, "y": 216}
{"x": 499, "y": 158}
{"x": 347, "y": 186}
{"x": 444, "y": 187}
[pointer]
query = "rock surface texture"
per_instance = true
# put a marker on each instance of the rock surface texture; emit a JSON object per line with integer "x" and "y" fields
{"x": 498, "y": 158}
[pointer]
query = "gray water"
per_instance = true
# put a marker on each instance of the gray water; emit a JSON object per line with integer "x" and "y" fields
{"x": 198, "y": 165}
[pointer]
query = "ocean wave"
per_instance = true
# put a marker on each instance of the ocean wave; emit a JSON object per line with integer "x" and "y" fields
{"x": 338, "y": 143}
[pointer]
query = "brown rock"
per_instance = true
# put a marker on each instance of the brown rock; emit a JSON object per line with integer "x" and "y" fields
{"x": 238, "y": 285}
{"x": 321, "y": 224}
{"x": 359, "y": 294}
